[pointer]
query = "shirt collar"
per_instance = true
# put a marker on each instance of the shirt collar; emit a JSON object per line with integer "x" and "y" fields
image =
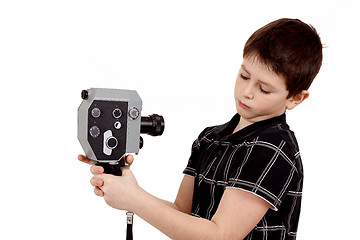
{"x": 225, "y": 132}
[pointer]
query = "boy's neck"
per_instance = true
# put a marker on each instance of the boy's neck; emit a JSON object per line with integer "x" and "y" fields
{"x": 243, "y": 123}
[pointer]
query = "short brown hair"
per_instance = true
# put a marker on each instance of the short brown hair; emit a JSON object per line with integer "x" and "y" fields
{"x": 290, "y": 48}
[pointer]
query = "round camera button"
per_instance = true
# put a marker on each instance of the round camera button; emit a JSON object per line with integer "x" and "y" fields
{"x": 95, "y": 112}
{"x": 94, "y": 131}
{"x": 117, "y": 113}
{"x": 111, "y": 142}
{"x": 134, "y": 113}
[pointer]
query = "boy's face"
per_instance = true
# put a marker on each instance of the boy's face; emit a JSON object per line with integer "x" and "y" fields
{"x": 260, "y": 93}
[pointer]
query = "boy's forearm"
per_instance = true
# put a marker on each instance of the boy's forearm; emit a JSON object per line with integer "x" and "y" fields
{"x": 170, "y": 204}
{"x": 166, "y": 217}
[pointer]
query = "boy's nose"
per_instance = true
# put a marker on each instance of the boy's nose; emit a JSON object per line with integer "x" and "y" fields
{"x": 248, "y": 92}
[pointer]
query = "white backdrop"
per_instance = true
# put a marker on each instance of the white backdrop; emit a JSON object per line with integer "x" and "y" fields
{"x": 182, "y": 57}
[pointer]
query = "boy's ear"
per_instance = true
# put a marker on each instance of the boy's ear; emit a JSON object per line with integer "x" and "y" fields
{"x": 297, "y": 99}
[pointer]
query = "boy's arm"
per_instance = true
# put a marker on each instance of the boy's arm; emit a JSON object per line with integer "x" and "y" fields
{"x": 184, "y": 197}
{"x": 183, "y": 201}
{"x": 236, "y": 216}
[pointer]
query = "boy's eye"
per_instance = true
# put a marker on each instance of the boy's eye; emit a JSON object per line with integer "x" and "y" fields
{"x": 244, "y": 77}
{"x": 264, "y": 91}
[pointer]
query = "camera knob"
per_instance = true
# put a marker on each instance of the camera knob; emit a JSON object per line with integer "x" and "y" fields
{"x": 117, "y": 113}
{"x": 141, "y": 142}
{"x": 111, "y": 142}
{"x": 84, "y": 94}
{"x": 94, "y": 131}
{"x": 134, "y": 113}
{"x": 96, "y": 112}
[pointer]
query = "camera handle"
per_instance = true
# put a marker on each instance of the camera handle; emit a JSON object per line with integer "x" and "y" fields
{"x": 114, "y": 168}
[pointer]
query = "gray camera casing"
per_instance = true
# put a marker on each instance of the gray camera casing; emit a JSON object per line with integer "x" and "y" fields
{"x": 104, "y": 135}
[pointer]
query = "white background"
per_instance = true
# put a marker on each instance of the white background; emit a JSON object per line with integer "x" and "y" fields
{"x": 182, "y": 57}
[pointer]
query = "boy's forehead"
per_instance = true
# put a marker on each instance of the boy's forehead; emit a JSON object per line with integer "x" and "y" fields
{"x": 251, "y": 60}
{"x": 264, "y": 73}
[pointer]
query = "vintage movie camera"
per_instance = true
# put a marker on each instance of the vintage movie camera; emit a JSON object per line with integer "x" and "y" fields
{"x": 109, "y": 126}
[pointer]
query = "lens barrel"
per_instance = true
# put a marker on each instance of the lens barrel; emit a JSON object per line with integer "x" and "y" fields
{"x": 153, "y": 125}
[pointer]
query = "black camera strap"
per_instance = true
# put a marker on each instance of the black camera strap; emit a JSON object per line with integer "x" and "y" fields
{"x": 129, "y": 221}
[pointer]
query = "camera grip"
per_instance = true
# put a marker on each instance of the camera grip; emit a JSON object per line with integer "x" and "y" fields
{"x": 112, "y": 168}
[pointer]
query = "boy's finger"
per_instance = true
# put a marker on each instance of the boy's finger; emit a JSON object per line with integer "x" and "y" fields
{"x": 129, "y": 159}
{"x": 84, "y": 159}
{"x": 98, "y": 192}
{"x": 125, "y": 169}
{"x": 96, "y": 182}
{"x": 96, "y": 169}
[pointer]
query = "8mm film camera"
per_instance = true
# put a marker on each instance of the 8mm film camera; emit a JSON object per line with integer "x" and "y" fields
{"x": 109, "y": 126}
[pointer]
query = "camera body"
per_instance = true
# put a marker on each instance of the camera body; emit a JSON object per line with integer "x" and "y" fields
{"x": 109, "y": 126}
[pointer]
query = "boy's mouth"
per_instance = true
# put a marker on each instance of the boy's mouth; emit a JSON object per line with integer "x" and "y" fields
{"x": 242, "y": 105}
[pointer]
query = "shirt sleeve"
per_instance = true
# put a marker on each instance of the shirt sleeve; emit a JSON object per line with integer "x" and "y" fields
{"x": 193, "y": 160}
{"x": 267, "y": 169}
{"x": 195, "y": 152}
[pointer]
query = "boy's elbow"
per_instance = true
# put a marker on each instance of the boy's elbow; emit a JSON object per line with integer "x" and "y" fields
{"x": 224, "y": 233}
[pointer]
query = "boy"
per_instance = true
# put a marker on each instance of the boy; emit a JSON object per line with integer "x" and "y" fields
{"x": 244, "y": 178}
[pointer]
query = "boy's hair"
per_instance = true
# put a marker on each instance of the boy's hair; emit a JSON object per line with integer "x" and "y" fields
{"x": 290, "y": 48}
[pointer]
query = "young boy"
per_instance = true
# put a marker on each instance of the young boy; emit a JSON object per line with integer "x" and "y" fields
{"x": 244, "y": 178}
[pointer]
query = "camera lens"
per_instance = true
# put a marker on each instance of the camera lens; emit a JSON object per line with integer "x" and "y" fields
{"x": 153, "y": 125}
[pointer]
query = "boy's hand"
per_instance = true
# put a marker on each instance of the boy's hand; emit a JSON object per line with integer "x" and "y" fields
{"x": 117, "y": 191}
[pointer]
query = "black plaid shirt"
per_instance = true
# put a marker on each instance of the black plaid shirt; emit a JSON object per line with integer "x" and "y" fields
{"x": 262, "y": 158}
